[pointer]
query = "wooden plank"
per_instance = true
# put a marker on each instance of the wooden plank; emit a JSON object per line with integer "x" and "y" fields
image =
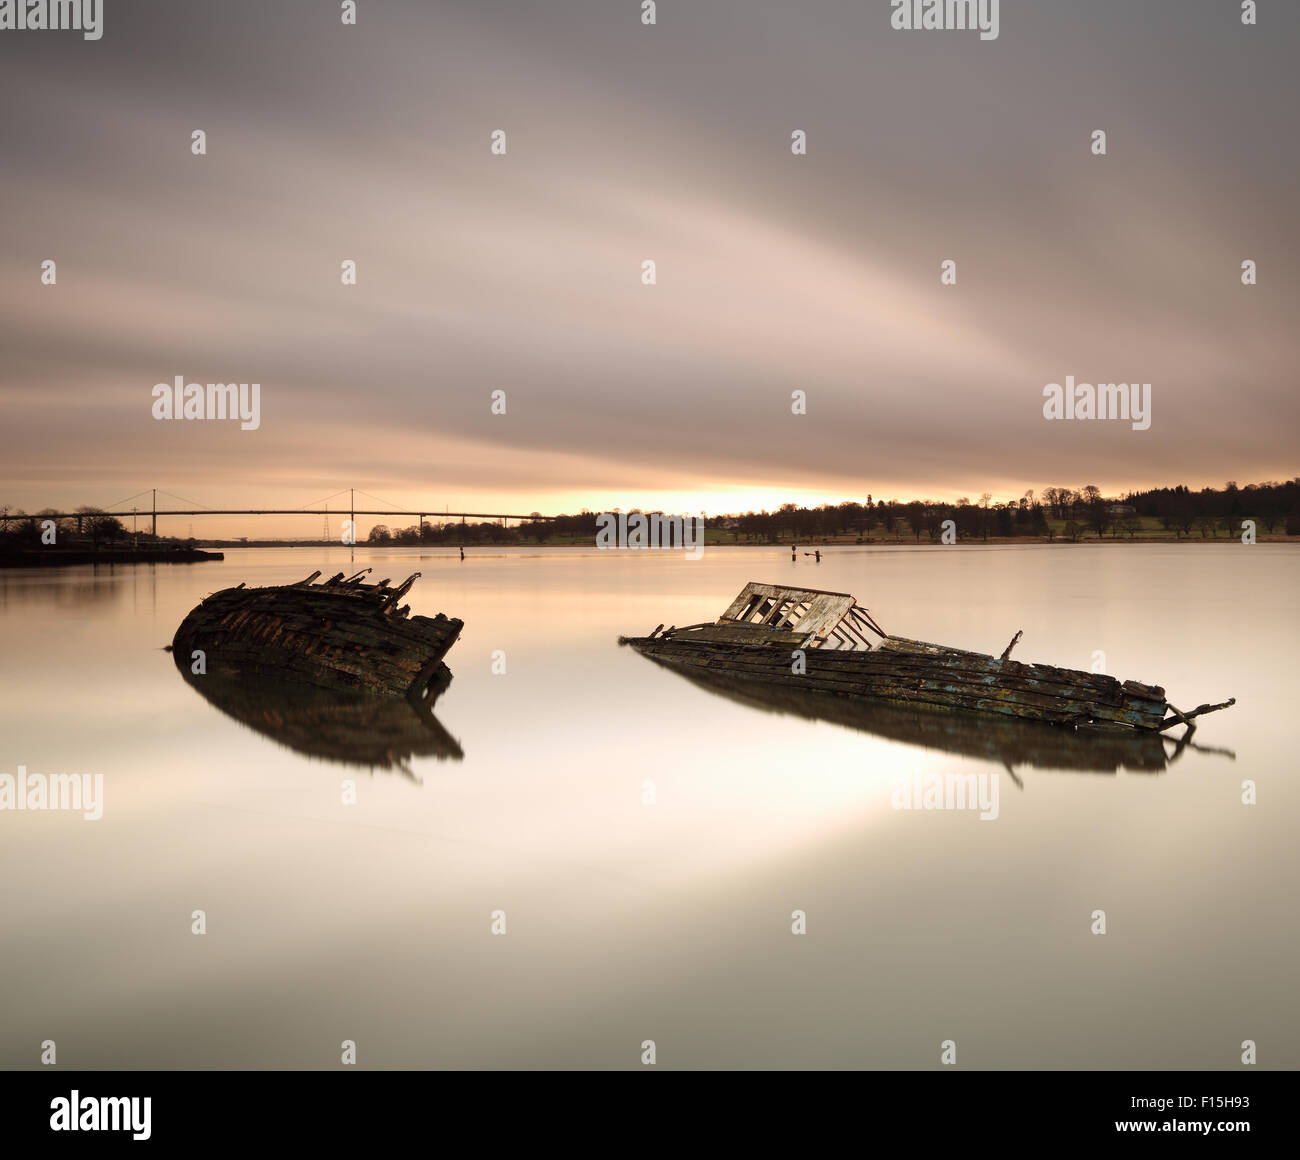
{"x": 825, "y": 611}
{"x": 744, "y": 634}
{"x": 903, "y": 644}
{"x": 742, "y": 603}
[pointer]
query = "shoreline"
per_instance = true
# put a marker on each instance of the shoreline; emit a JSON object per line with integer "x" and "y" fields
{"x": 38, "y": 559}
{"x": 71, "y": 557}
{"x": 1000, "y": 541}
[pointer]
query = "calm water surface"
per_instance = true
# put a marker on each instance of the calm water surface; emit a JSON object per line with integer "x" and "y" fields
{"x": 668, "y": 921}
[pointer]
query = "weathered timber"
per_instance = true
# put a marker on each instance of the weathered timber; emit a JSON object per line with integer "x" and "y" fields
{"x": 805, "y": 611}
{"x": 869, "y": 674}
{"x": 766, "y": 625}
{"x": 1186, "y": 718}
{"x": 755, "y": 634}
{"x": 343, "y": 635}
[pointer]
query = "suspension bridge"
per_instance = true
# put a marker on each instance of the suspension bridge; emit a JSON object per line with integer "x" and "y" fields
{"x": 314, "y": 508}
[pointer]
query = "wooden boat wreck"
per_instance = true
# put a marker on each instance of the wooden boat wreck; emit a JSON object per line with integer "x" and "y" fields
{"x": 342, "y": 634}
{"x": 809, "y": 641}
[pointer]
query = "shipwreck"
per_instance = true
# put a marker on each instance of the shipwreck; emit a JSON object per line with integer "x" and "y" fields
{"x": 343, "y": 634}
{"x": 810, "y": 642}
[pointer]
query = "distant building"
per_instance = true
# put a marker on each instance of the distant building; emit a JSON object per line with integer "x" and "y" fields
{"x": 1122, "y": 509}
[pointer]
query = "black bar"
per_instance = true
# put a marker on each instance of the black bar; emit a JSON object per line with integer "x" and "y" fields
{"x": 893, "y": 1109}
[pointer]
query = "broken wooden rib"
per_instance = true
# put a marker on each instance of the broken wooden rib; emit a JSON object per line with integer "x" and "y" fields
{"x": 846, "y": 654}
{"x": 340, "y": 634}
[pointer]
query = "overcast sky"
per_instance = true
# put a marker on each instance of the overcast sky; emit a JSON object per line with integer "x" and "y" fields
{"x": 522, "y": 272}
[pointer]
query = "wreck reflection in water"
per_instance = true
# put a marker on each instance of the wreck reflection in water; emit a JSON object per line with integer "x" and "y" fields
{"x": 350, "y": 728}
{"x": 1004, "y": 740}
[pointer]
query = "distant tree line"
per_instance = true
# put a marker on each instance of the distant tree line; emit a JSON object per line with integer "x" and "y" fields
{"x": 1273, "y": 506}
{"x": 91, "y": 526}
{"x": 455, "y": 533}
{"x": 1069, "y": 513}
{"x": 1056, "y": 512}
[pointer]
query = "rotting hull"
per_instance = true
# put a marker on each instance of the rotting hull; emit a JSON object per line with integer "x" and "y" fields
{"x": 927, "y": 675}
{"x": 340, "y": 635}
{"x": 1009, "y": 741}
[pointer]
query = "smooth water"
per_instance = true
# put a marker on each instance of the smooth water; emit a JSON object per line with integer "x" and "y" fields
{"x": 628, "y": 920}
